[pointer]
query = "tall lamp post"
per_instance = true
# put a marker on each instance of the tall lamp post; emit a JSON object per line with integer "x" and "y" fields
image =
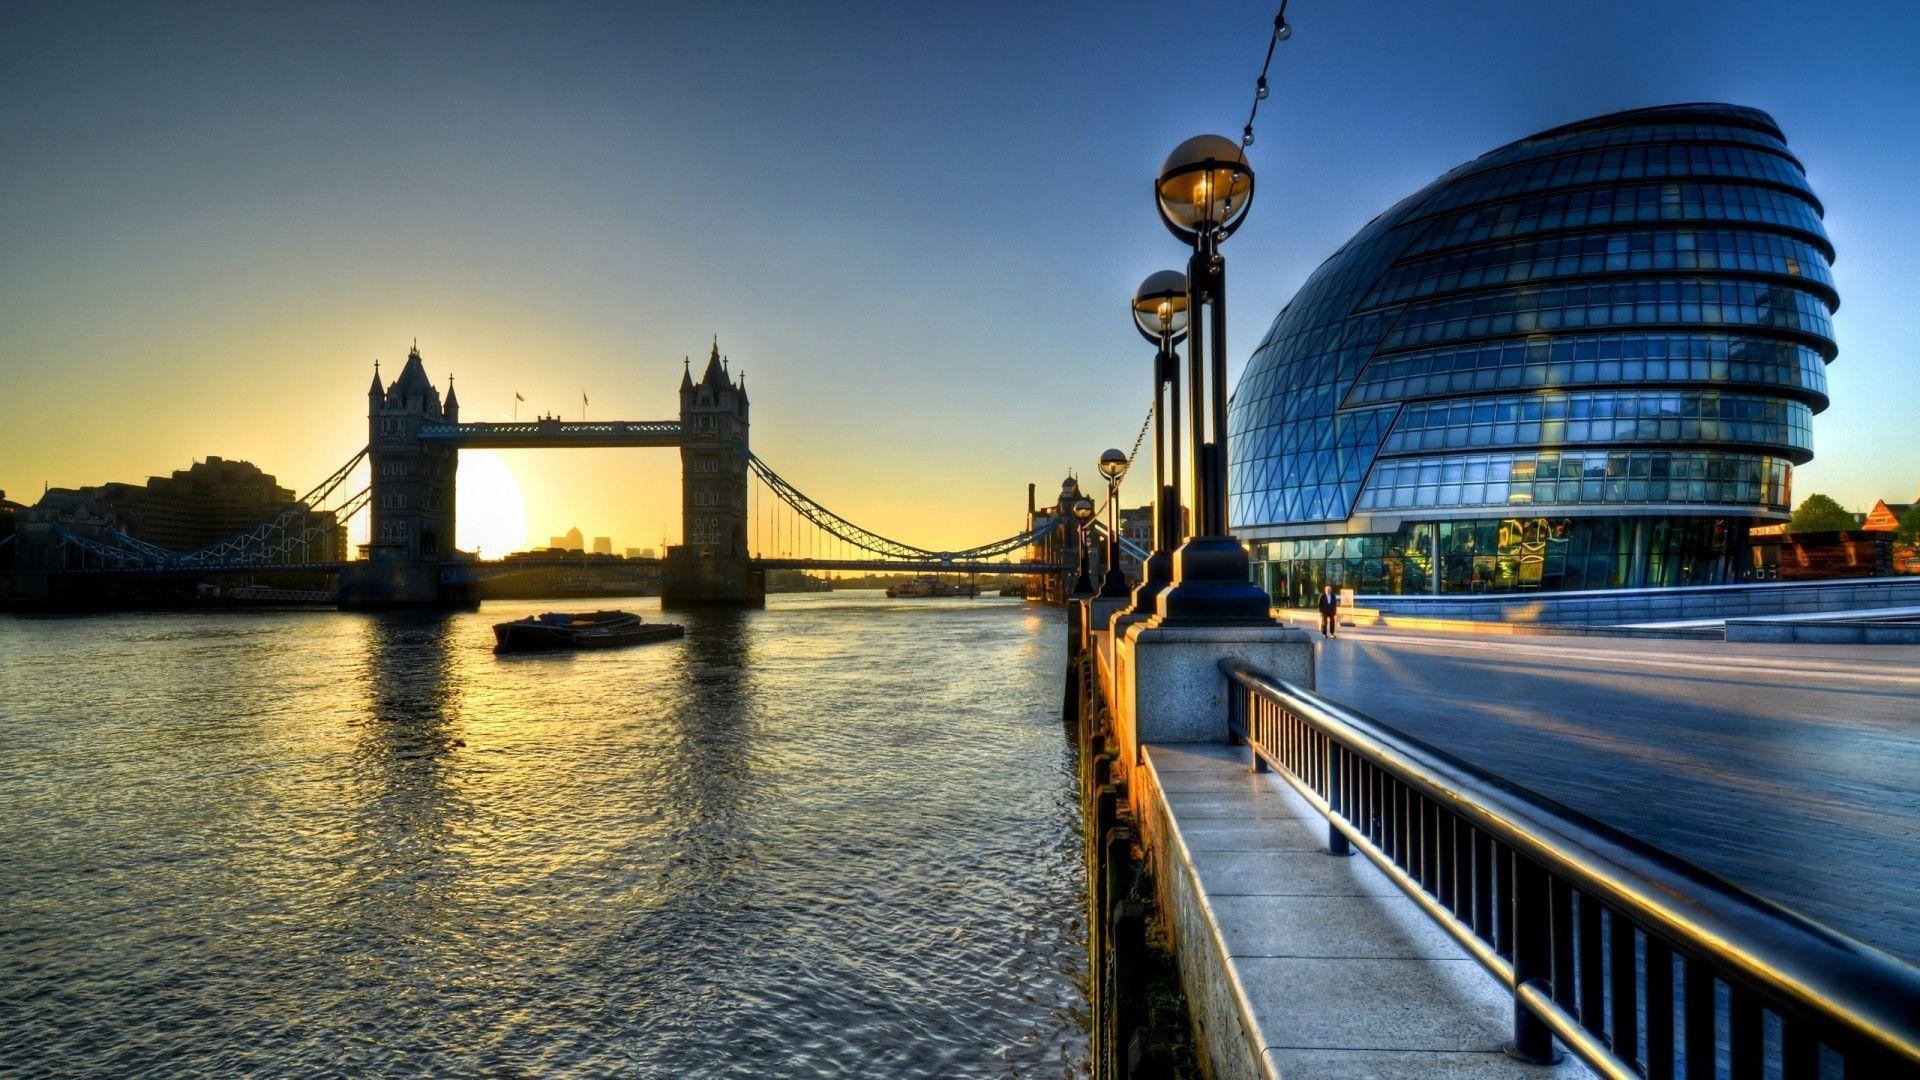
{"x": 1203, "y": 192}
{"x": 1112, "y": 464}
{"x": 1083, "y": 513}
{"x": 1160, "y": 314}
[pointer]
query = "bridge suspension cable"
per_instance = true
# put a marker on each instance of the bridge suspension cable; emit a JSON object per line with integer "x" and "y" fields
{"x": 845, "y": 531}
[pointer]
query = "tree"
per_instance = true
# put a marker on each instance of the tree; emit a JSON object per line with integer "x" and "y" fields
{"x": 1820, "y": 514}
{"x": 1907, "y": 536}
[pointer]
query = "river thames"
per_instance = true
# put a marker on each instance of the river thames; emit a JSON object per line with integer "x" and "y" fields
{"x": 838, "y": 837}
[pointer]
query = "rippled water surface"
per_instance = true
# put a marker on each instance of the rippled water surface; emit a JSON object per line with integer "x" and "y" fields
{"x": 834, "y": 838}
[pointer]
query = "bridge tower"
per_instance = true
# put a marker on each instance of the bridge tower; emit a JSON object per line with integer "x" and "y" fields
{"x": 411, "y": 504}
{"x": 710, "y": 565}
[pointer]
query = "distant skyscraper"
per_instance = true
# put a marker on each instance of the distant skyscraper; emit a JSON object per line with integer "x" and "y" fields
{"x": 603, "y": 545}
{"x": 573, "y": 541}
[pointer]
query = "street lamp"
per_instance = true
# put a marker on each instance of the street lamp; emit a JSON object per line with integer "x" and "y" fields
{"x": 1112, "y": 464}
{"x": 1160, "y": 314}
{"x": 1083, "y": 513}
{"x": 1202, "y": 193}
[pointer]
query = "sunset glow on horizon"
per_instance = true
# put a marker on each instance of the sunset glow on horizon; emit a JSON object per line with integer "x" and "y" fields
{"x": 215, "y": 225}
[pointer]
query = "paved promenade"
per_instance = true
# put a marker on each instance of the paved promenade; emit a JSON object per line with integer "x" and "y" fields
{"x": 1793, "y": 770}
{"x": 1300, "y": 964}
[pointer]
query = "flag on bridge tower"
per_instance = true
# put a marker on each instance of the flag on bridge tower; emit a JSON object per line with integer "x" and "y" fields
{"x": 583, "y": 405}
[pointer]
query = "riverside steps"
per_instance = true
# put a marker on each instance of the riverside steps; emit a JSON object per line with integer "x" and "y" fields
{"x": 1333, "y": 898}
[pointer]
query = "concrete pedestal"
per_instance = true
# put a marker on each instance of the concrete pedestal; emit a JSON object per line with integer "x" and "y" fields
{"x": 1173, "y": 686}
{"x": 1100, "y": 611}
{"x": 1103, "y": 608}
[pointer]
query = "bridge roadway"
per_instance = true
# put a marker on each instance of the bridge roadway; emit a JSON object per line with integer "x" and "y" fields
{"x": 552, "y": 433}
{"x": 1789, "y": 769}
{"x": 924, "y": 566}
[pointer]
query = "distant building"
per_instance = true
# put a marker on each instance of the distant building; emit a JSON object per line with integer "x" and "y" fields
{"x": 7, "y": 512}
{"x": 572, "y": 541}
{"x": 640, "y": 553}
{"x": 1884, "y": 520}
{"x": 201, "y": 505}
{"x": 1061, "y": 546}
{"x": 603, "y": 545}
{"x": 1884, "y": 517}
{"x": 1818, "y": 556}
{"x": 1137, "y": 526}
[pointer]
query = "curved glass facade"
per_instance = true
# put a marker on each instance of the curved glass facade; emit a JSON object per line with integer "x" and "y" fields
{"x": 1611, "y": 335}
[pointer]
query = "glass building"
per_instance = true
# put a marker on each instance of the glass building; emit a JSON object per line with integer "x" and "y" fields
{"x": 1586, "y": 360}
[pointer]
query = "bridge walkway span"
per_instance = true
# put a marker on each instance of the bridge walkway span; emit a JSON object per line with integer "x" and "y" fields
{"x": 925, "y": 566}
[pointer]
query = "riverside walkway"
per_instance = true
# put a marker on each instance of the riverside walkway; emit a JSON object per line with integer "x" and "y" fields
{"x": 1637, "y": 954}
{"x": 1321, "y": 966}
{"x": 1786, "y": 768}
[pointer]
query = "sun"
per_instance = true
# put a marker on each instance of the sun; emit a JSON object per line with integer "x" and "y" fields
{"x": 492, "y": 518}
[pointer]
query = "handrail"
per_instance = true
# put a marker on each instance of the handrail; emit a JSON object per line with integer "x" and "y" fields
{"x": 1523, "y": 883}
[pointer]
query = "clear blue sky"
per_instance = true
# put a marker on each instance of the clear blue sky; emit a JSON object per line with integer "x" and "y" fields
{"x": 916, "y": 226}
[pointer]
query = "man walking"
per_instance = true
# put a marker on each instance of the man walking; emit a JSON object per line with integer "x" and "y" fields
{"x": 1329, "y": 612}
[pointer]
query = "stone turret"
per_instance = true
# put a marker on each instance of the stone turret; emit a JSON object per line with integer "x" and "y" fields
{"x": 713, "y": 422}
{"x": 413, "y": 480}
{"x": 710, "y": 565}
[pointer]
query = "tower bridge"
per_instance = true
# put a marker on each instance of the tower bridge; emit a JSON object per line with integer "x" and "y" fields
{"x": 730, "y": 537}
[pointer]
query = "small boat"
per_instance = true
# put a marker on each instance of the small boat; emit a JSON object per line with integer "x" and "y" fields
{"x": 930, "y": 586}
{"x": 583, "y": 630}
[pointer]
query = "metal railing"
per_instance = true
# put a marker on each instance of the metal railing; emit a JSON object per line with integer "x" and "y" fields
{"x": 1641, "y": 963}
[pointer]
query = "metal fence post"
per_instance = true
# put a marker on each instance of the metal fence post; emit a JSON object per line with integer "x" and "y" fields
{"x": 1336, "y": 840}
{"x": 1532, "y": 960}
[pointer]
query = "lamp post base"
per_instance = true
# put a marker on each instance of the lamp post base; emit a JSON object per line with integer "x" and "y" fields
{"x": 1211, "y": 587}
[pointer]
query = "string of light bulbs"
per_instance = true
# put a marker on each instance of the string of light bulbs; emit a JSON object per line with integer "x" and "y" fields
{"x": 1282, "y": 30}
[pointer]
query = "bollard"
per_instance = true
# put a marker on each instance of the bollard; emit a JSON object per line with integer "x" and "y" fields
{"x": 1337, "y": 841}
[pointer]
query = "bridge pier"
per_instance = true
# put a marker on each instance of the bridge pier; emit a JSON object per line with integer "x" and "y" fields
{"x": 690, "y": 580}
{"x": 371, "y": 584}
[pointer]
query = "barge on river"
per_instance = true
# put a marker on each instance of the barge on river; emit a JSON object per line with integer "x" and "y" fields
{"x": 585, "y": 630}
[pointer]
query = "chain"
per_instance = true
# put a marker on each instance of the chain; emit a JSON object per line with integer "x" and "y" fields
{"x": 1138, "y": 440}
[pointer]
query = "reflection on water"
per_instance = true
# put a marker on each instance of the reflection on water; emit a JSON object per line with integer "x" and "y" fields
{"x": 837, "y": 837}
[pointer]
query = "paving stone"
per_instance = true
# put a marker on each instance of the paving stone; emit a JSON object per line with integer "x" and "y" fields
{"x": 1378, "y": 927}
{"x": 1240, "y": 806}
{"x": 1423, "y": 1004}
{"x": 1346, "y": 1064}
{"x": 1301, "y": 871}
